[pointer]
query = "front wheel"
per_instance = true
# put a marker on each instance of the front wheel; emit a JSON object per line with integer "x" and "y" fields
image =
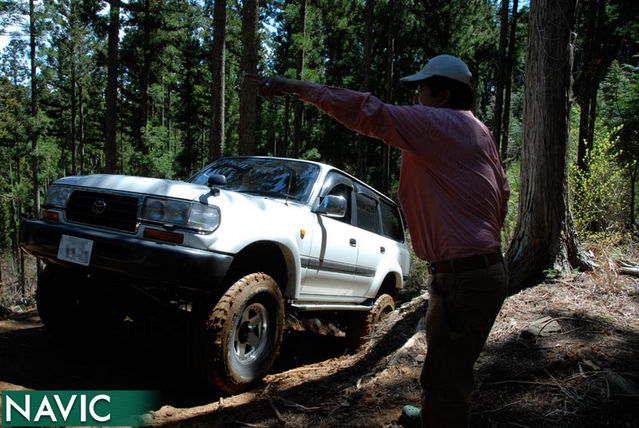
{"x": 241, "y": 335}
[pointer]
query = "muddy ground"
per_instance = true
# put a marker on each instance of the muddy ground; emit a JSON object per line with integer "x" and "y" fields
{"x": 564, "y": 353}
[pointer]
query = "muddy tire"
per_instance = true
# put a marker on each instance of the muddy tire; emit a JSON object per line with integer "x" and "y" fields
{"x": 240, "y": 337}
{"x": 362, "y": 325}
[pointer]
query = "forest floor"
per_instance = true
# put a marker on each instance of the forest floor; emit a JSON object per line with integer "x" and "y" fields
{"x": 563, "y": 353}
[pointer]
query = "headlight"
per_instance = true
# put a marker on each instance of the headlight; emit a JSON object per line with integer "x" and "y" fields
{"x": 153, "y": 210}
{"x": 204, "y": 218}
{"x": 166, "y": 211}
{"x": 57, "y": 196}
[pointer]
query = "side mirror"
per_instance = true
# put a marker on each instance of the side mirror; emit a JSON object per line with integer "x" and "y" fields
{"x": 333, "y": 206}
{"x": 216, "y": 180}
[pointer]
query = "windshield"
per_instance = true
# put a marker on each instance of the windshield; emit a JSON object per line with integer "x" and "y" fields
{"x": 278, "y": 178}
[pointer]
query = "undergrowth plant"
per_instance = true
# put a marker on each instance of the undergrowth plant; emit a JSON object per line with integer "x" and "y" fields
{"x": 12, "y": 292}
{"x": 599, "y": 195}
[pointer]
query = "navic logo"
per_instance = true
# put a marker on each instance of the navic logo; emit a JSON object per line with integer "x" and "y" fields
{"x": 76, "y": 408}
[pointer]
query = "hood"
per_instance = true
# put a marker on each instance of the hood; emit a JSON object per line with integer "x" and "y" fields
{"x": 143, "y": 185}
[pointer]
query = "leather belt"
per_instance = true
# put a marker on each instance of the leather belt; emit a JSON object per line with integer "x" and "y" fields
{"x": 466, "y": 264}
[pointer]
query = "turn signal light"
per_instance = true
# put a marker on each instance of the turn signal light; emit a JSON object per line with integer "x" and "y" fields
{"x": 163, "y": 235}
{"x": 50, "y": 215}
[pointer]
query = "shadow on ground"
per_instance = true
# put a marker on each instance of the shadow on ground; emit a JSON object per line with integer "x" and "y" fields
{"x": 136, "y": 356}
{"x": 587, "y": 375}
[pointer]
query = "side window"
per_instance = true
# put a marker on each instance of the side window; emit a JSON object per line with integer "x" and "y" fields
{"x": 367, "y": 216}
{"x": 392, "y": 222}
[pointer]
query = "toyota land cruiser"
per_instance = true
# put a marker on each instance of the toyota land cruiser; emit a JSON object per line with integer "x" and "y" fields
{"x": 241, "y": 244}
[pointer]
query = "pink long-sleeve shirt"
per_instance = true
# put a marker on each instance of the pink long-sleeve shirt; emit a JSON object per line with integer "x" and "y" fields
{"x": 452, "y": 185}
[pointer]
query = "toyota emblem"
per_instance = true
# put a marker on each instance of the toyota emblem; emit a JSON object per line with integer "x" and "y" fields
{"x": 98, "y": 207}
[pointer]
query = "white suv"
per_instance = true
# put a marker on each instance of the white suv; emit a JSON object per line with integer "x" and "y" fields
{"x": 241, "y": 244}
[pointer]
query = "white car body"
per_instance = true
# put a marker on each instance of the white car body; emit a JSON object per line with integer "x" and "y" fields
{"x": 355, "y": 261}
{"x": 239, "y": 247}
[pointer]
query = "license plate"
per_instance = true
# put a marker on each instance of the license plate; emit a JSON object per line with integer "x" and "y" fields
{"x": 75, "y": 250}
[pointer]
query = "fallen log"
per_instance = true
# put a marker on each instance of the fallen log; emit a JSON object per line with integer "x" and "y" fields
{"x": 629, "y": 270}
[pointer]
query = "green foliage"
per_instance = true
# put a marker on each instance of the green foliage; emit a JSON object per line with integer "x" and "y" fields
{"x": 418, "y": 275}
{"x": 599, "y": 196}
{"x": 160, "y": 159}
{"x": 552, "y": 273}
{"x": 621, "y": 109}
{"x": 510, "y": 222}
{"x": 164, "y": 78}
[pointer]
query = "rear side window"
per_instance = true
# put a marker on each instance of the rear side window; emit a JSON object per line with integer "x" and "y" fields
{"x": 391, "y": 222}
{"x": 367, "y": 216}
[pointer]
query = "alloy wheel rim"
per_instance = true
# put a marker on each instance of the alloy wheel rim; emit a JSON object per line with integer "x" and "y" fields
{"x": 250, "y": 334}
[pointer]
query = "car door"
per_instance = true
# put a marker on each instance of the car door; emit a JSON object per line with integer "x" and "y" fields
{"x": 370, "y": 244}
{"x": 332, "y": 262}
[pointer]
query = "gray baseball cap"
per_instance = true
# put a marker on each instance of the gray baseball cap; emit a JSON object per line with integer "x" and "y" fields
{"x": 441, "y": 65}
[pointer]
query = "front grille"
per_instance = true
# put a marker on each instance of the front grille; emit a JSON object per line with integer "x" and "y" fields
{"x": 107, "y": 210}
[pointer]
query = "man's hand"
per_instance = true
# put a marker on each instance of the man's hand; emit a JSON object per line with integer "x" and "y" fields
{"x": 275, "y": 86}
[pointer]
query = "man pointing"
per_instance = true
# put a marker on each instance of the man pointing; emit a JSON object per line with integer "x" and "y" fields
{"x": 454, "y": 194}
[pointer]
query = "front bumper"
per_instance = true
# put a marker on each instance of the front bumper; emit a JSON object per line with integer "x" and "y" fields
{"x": 129, "y": 256}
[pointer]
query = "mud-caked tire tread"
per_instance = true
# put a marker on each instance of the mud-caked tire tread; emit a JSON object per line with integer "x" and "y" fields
{"x": 212, "y": 354}
{"x": 362, "y": 325}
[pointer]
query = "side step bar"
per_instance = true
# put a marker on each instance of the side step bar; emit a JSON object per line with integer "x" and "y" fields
{"x": 330, "y": 307}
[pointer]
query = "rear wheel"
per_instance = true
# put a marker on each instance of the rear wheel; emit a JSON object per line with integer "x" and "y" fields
{"x": 241, "y": 335}
{"x": 363, "y": 325}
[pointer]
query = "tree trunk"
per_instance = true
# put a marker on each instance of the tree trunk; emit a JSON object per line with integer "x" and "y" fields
{"x": 287, "y": 126}
{"x": 110, "y": 128}
{"x": 545, "y": 237}
{"x": 501, "y": 72}
{"x": 141, "y": 132}
{"x": 74, "y": 86}
{"x": 388, "y": 95}
{"x": 362, "y": 143}
{"x": 74, "y": 114}
{"x": 169, "y": 123}
{"x": 248, "y": 91}
{"x": 584, "y": 146}
{"x": 81, "y": 126}
{"x": 299, "y": 105}
{"x": 16, "y": 214}
{"x": 633, "y": 180}
{"x": 218, "y": 60}
{"x": 64, "y": 144}
{"x": 594, "y": 67}
{"x": 509, "y": 83}
{"x": 34, "y": 110}
{"x": 298, "y": 119}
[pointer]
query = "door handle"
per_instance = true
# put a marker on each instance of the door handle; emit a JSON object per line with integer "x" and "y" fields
{"x": 382, "y": 250}
{"x": 353, "y": 242}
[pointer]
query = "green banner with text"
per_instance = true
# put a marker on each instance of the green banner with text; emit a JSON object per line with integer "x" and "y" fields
{"x": 77, "y": 408}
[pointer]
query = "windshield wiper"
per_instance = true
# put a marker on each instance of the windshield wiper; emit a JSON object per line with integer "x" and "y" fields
{"x": 263, "y": 193}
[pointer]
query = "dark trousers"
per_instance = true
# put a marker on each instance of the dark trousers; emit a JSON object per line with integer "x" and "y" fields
{"x": 462, "y": 308}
